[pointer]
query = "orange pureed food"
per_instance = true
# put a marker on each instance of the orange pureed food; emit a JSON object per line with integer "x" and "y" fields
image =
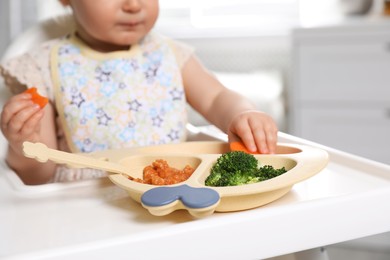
{"x": 160, "y": 173}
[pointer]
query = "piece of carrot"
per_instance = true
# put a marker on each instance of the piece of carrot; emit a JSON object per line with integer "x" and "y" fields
{"x": 238, "y": 146}
{"x": 36, "y": 98}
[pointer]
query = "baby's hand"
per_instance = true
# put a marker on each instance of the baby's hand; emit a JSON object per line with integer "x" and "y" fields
{"x": 257, "y": 130}
{"x": 20, "y": 119}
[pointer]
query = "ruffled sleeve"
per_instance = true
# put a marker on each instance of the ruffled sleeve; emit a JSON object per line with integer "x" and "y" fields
{"x": 182, "y": 52}
{"x": 29, "y": 70}
{"x": 20, "y": 73}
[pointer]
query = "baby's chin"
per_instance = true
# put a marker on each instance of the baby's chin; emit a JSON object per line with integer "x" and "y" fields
{"x": 117, "y": 45}
{"x": 129, "y": 40}
{"x": 121, "y": 42}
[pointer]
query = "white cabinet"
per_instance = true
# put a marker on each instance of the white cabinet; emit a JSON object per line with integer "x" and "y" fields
{"x": 340, "y": 96}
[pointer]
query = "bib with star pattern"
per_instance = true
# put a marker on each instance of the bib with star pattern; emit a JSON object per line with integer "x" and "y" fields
{"x": 121, "y": 99}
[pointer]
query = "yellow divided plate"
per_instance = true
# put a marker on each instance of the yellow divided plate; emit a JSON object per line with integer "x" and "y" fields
{"x": 300, "y": 161}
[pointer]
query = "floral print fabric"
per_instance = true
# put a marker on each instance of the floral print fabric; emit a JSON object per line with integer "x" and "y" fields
{"x": 123, "y": 99}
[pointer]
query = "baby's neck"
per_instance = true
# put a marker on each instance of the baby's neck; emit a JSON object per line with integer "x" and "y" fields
{"x": 101, "y": 46}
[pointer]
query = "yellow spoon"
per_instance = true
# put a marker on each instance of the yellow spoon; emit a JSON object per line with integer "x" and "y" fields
{"x": 42, "y": 153}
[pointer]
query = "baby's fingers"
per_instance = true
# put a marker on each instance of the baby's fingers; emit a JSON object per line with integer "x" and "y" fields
{"x": 32, "y": 124}
{"x": 241, "y": 132}
{"x": 21, "y": 122}
{"x": 260, "y": 140}
{"x": 14, "y": 105}
{"x": 257, "y": 131}
{"x": 264, "y": 132}
{"x": 266, "y": 140}
{"x": 272, "y": 139}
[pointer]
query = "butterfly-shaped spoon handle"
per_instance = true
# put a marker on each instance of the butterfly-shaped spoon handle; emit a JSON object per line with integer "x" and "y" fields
{"x": 42, "y": 153}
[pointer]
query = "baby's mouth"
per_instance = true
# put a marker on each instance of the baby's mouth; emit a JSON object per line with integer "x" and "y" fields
{"x": 129, "y": 24}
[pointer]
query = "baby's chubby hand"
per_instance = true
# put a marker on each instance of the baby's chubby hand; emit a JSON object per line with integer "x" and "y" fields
{"x": 257, "y": 130}
{"x": 20, "y": 119}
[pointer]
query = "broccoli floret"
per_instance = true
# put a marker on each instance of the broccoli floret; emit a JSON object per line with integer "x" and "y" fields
{"x": 236, "y": 161}
{"x": 213, "y": 179}
{"x": 240, "y": 178}
{"x": 267, "y": 172}
{"x": 238, "y": 168}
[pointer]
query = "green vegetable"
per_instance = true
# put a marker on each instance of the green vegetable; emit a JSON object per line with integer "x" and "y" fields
{"x": 239, "y": 168}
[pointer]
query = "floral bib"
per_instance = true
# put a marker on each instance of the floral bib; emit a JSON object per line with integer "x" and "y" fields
{"x": 121, "y": 99}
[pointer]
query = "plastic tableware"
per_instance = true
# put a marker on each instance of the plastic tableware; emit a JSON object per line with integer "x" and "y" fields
{"x": 300, "y": 161}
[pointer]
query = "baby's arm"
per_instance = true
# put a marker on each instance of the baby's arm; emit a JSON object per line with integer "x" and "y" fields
{"x": 22, "y": 120}
{"x": 228, "y": 110}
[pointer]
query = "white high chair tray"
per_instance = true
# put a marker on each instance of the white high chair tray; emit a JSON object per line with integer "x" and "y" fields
{"x": 96, "y": 219}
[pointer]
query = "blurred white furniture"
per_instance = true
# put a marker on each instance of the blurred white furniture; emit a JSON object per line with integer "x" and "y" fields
{"x": 341, "y": 90}
{"x": 340, "y": 97}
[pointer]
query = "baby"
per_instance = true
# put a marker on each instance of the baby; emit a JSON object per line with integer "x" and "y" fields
{"x": 113, "y": 83}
